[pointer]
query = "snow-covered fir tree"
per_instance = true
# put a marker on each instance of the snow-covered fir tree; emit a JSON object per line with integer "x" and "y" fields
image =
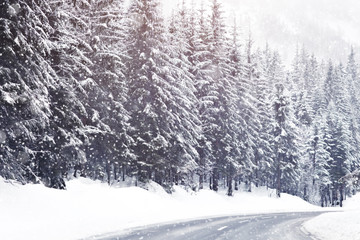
{"x": 28, "y": 152}
{"x": 285, "y": 143}
{"x": 113, "y": 91}
{"x": 164, "y": 129}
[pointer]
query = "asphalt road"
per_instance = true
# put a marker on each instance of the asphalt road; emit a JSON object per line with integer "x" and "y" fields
{"x": 286, "y": 226}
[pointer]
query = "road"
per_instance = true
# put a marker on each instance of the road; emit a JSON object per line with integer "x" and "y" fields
{"x": 287, "y": 226}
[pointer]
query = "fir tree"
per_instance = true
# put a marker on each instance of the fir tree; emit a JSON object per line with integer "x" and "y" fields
{"x": 163, "y": 126}
{"x": 28, "y": 151}
{"x": 285, "y": 143}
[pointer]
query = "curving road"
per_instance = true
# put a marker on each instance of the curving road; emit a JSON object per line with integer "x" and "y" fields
{"x": 286, "y": 226}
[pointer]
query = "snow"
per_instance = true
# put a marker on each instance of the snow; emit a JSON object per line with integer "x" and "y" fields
{"x": 88, "y": 208}
{"x": 2, "y": 137}
{"x": 6, "y": 97}
{"x": 338, "y": 225}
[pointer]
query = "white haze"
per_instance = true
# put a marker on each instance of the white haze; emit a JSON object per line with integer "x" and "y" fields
{"x": 327, "y": 28}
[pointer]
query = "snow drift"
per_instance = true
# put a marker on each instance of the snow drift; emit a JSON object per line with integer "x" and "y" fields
{"x": 89, "y": 208}
{"x": 338, "y": 225}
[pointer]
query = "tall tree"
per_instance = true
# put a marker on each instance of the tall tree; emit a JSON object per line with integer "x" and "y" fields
{"x": 285, "y": 142}
{"x": 352, "y": 81}
{"x": 27, "y": 151}
{"x": 199, "y": 58}
{"x": 163, "y": 128}
{"x": 315, "y": 176}
{"x": 262, "y": 63}
{"x": 220, "y": 121}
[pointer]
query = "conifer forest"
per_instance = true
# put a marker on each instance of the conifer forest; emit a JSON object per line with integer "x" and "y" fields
{"x": 115, "y": 91}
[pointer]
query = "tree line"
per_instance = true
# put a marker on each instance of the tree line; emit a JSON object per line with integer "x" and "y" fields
{"x": 116, "y": 92}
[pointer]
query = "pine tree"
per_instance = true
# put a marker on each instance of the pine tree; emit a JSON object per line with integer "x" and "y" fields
{"x": 300, "y": 84}
{"x": 352, "y": 81}
{"x": 163, "y": 126}
{"x": 339, "y": 165}
{"x": 235, "y": 72}
{"x": 315, "y": 176}
{"x": 220, "y": 114}
{"x": 198, "y": 55}
{"x": 28, "y": 151}
{"x": 181, "y": 38}
{"x": 285, "y": 143}
{"x": 263, "y": 85}
{"x": 92, "y": 43}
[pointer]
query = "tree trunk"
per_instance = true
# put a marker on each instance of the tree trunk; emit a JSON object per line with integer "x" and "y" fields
{"x": 257, "y": 172}
{"x": 123, "y": 173}
{"x": 236, "y": 184}
{"x": 341, "y": 194}
{"x": 108, "y": 172}
{"x": 334, "y": 197}
{"x": 176, "y": 179}
{"x": 230, "y": 190}
{"x": 278, "y": 181}
{"x": 201, "y": 181}
{"x": 158, "y": 177}
{"x": 322, "y": 199}
{"x": 249, "y": 183}
{"x": 215, "y": 180}
{"x": 116, "y": 169}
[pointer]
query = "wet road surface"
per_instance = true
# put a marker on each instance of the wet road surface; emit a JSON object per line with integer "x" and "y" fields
{"x": 279, "y": 226}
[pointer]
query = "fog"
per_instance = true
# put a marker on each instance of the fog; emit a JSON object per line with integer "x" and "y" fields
{"x": 327, "y": 28}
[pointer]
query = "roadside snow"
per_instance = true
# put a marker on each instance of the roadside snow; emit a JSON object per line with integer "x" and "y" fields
{"x": 338, "y": 225}
{"x": 89, "y": 208}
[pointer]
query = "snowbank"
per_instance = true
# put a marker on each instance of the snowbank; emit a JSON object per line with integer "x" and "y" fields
{"x": 89, "y": 208}
{"x": 338, "y": 225}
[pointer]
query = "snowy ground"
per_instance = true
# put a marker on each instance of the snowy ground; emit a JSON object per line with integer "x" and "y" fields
{"x": 89, "y": 208}
{"x": 338, "y": 225}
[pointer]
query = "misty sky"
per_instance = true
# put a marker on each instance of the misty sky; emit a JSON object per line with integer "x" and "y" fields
{"x": 327, "y": 28}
